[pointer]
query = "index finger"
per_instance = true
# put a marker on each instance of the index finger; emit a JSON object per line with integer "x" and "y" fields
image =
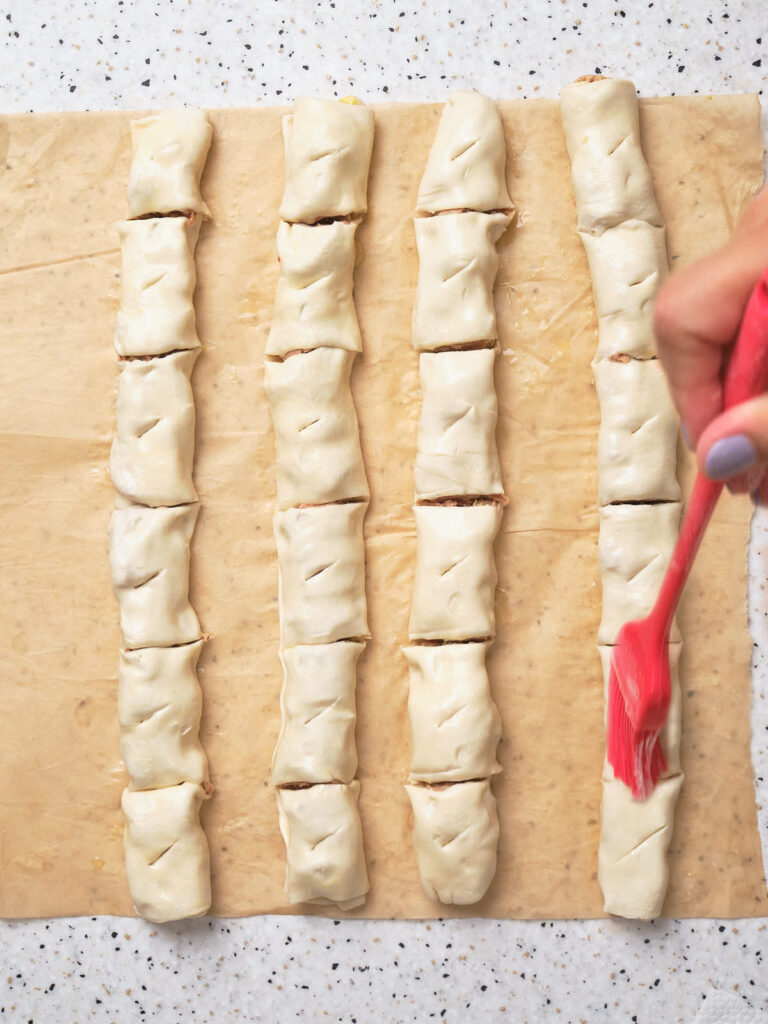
{"x": 697, "y": 314}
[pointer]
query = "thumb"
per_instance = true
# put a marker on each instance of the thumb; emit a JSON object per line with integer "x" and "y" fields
{"x": 734, "y": 447}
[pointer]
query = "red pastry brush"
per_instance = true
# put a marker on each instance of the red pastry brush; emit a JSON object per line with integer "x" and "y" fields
{"x": 639, "y": 688}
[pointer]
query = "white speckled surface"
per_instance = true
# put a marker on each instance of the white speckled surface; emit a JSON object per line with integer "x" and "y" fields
{"x": 118, "y": 53}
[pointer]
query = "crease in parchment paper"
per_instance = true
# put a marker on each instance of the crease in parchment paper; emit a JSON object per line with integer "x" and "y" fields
{"x": 62, "y": 190}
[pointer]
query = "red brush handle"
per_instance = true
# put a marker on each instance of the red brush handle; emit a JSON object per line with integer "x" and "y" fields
{"x": 746, "y": 376}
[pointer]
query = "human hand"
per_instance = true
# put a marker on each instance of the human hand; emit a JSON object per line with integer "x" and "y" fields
{"x": 696, "y": 317}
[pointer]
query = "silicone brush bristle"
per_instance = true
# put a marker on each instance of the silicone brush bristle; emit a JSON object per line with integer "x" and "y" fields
{"x": 638, "y": 702}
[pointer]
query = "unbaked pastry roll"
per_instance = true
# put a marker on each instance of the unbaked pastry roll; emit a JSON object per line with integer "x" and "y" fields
{"x": 455, "y": 725}
{"x": 159, "y": 704}
{"x": 317, "y": 704}
{"x": 314, "y": 302}
{"x": 637, "y": 444}
{"x": 633, "y": 868}
{"x": 456, "y": 836}
{"x": 456, "y": 445}
{"x": 323, "y": 839}
{"x": 157, "y": 282}
{"x": 458, "y": 262}
{"x": 623, "y": 236}
{"x": 633, "y": 865}
{"x": 321, "y": 572}
{"x": 627, "y": 264}
{"x": 455, "y": 582}
{"x": 169, "y": 153}
{"x": 610, "y": 176}
{"x": 154, "y": 444}
{"x": 328, "y": 148}
{"x": 465, "y": 169}
{"x": 634, "y": 548}
{"x": 149, "y": 561}
{"x": 316, "y": 431}
{"x": 166, "y": 853}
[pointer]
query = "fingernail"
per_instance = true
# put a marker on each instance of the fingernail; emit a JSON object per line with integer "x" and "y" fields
{"x": 729, "y": 456}
{"x": 686, "y": 438}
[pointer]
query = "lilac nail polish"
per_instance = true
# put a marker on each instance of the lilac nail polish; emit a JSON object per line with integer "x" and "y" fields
{"x": 686, "y": 438}
{"x": 729, "y": 456}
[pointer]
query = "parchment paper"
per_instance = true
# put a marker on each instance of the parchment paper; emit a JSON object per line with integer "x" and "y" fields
{"x": 62, "y": 187}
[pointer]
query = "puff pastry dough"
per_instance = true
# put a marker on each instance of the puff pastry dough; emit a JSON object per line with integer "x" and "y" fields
{"x": 327, "y": 155}
{"x": 317, "y": 735}
{"x": 324, "y": 845}
{"x": 154, "y": 445}
{"x": 157, "y": 282}
{"x": 316, "y": 432}
{"x": 455, "y": 726}
{"x": 456, "y": 445}
{"x": 455, "y": 835}
{"x": 169, "y": 153}
{"x": 637, "y": 444}
{"x": 465, "y": 169}
{"x": 633, "y": 866}
{"x": 159, "y": 704}
{"x": 321, "y": 566}
{"x": 610, "y": 176}
{"x": 623, "y": 235}
{"x": 455, "y": 580}
{"x": 314, "y": 302}
{"x": 458, "y": 262}
{"x": 627, "y": 264}
{"x": 633, "y": 869}
{"x": 149, "y": 560}
{"x": 166, "y": 853}
{"x": 634, "y": 548}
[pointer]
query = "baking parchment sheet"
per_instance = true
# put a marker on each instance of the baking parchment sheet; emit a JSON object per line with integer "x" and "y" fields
{"x": 62, "y": 187}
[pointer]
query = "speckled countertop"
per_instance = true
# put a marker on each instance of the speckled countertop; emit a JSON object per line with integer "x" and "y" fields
{"x": 90, "y": 54}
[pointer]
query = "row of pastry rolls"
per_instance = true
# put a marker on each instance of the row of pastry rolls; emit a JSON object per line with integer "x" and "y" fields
{"x": 624, "y": 238}
{"x": 322, "y": 498}
{"x": 462, "y": 210}
{"x": 151, "y": 462}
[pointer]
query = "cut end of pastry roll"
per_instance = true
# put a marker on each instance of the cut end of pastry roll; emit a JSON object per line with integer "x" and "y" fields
{"x": 169, "y": 152}
{"x": 317, "y": 704}
{"x": 154, "y": 445}
{"x": 456, "y": 445}
{"x": 159, "y": 706}
{"x": 458, "y": 262}
{"x": 455, "y": 725}
{"x": 328, "y": 149}
{"x": 321, "y": 573}
{"x": 149, "y": 562}
{"x": 316, "y": 430}
{"x": 325, "y": 859}
{"x": 633, "y": 867}
{"x": 166, "y": 853}
{"x": 455, "y": 836}
{"x": 611, "y": 179}
{"x": 455, "y": 580}
{"x": 314, "y": 304}
{"x": 466, "y": 165}
{"x": 634, "y": 547}
{"x": 157, "y": 282}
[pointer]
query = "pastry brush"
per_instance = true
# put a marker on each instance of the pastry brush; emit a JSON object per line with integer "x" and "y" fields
{"x": 639, "y": 682}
